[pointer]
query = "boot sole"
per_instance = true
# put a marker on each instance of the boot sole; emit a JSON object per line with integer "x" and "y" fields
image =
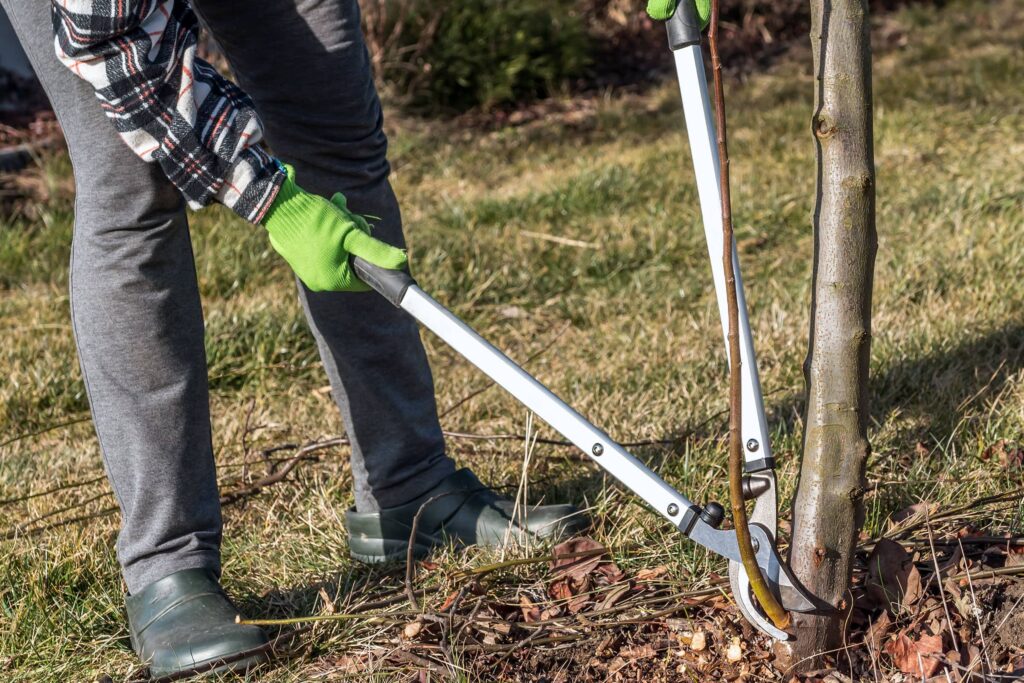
{"x": 382, "y": 550}
{"x": 220, "y": 665}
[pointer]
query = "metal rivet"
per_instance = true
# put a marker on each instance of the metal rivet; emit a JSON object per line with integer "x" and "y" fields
{"x": 755, "y": 545}
{"x": 598, "y": 449}
{"x": 753, "y": 445}
{"x": 673, "y": 510}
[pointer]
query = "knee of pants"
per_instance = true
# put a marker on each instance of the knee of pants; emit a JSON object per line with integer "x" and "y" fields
{"x": 333, "y": 151}
{"x": 121, "y": 189}
{"x": 124, "y": 202}
{"x": 131, "y": 233}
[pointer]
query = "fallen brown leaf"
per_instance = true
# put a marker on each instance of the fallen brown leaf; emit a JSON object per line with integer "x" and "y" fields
{"x": 651, "y": 574}
{"x": 913, "y": 590}
{"x": 531, "y": 612}
{"x": 954, "y": 564}
{"x": 908, "y": 512}
{"x": 346, "y": 664}
{"x": 611, "y": 572}
{"x": 576, "y": 568}
{"x": 1014, "y": 555}
{"x": 1007, "y": 454}
{"x": 915, "y": 658}
{"x": 578, "y": 604}
{"x": 329, "y": 607}
{"x": 879, "y": 629}
{"x": 613, "y": 596}
{"x": 605, "y": 644}
{"x": 645, "y": 651}
{"x": 493, "y": 628}
{"x": 551, "y": 613}
{"x": 448, "y": 602}
{"x": 893, "y": 579}
{"x": 560, "y": 590}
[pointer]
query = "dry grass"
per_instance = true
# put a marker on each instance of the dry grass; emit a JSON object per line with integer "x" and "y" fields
{"x": 642, "y": 353}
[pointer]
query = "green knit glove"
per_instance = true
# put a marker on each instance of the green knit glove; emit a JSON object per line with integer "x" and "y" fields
{"x": 316, "y": 236}
{"x": 662, "y": 10}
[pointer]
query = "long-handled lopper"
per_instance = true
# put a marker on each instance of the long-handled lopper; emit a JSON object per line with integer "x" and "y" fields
{"x": 699, "y": 524}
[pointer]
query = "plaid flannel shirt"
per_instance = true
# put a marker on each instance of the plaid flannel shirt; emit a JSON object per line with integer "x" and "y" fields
{"x": 169, "y": 106}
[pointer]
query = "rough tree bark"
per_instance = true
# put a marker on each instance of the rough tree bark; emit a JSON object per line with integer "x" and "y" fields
{"x": 828, "y": 511}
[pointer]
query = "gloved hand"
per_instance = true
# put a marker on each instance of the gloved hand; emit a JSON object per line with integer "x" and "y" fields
{"x": 663, "y": 10}
{"x": 316, "y": 236}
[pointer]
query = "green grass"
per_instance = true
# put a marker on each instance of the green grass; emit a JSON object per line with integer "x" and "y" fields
{"x": 636, "y": 343}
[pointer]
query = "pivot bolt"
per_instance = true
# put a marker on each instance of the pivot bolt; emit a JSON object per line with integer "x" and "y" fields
{"x": 753, "y": 445}
{"x": 597, "y": 450}
{"x": 673, "y": 509}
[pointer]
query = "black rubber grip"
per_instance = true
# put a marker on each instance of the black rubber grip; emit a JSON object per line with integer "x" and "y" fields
{"x": 390, "y": 284}
{"x": 684, "y": 26}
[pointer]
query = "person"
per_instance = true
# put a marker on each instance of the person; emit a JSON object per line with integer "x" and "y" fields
{"x": 152, "y": 128}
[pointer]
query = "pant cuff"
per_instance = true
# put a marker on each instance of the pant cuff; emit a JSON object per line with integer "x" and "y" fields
{"x": 410, "y": 489}
{"x": 144, "y": 572}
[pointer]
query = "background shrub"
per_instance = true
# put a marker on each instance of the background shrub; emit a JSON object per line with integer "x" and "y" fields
{"x": 459, "y": 54}
{"x": 453, "y": 55}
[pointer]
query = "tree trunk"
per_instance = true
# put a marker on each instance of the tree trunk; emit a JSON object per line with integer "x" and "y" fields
{"x": 828, "y": 510}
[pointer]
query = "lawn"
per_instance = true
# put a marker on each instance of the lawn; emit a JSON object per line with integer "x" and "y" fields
{"x": 573, "y": 241}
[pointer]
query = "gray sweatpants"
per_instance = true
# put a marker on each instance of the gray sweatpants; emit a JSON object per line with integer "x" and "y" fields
{"x": 135, "y": 301}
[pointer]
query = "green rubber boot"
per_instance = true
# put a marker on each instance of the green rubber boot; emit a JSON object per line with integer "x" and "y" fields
{"x": 463, "y": 512}
{"x": 184, "y": 624}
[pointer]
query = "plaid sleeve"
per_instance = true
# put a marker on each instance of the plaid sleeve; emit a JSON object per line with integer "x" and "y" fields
{"x": 169, "y": 106}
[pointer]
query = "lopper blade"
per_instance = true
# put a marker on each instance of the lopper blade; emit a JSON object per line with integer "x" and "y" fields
{"x": 745, "y": 601}
{"x": 792, "y": 596}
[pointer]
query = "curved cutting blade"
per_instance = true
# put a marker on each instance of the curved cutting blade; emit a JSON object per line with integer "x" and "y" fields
{"x": 745, "y": 601}
{"x": 791, "y": 594}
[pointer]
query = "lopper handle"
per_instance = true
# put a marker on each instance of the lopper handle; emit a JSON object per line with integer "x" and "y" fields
{"x": 391, "y": 284}
{"x": 684, "y": 28}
